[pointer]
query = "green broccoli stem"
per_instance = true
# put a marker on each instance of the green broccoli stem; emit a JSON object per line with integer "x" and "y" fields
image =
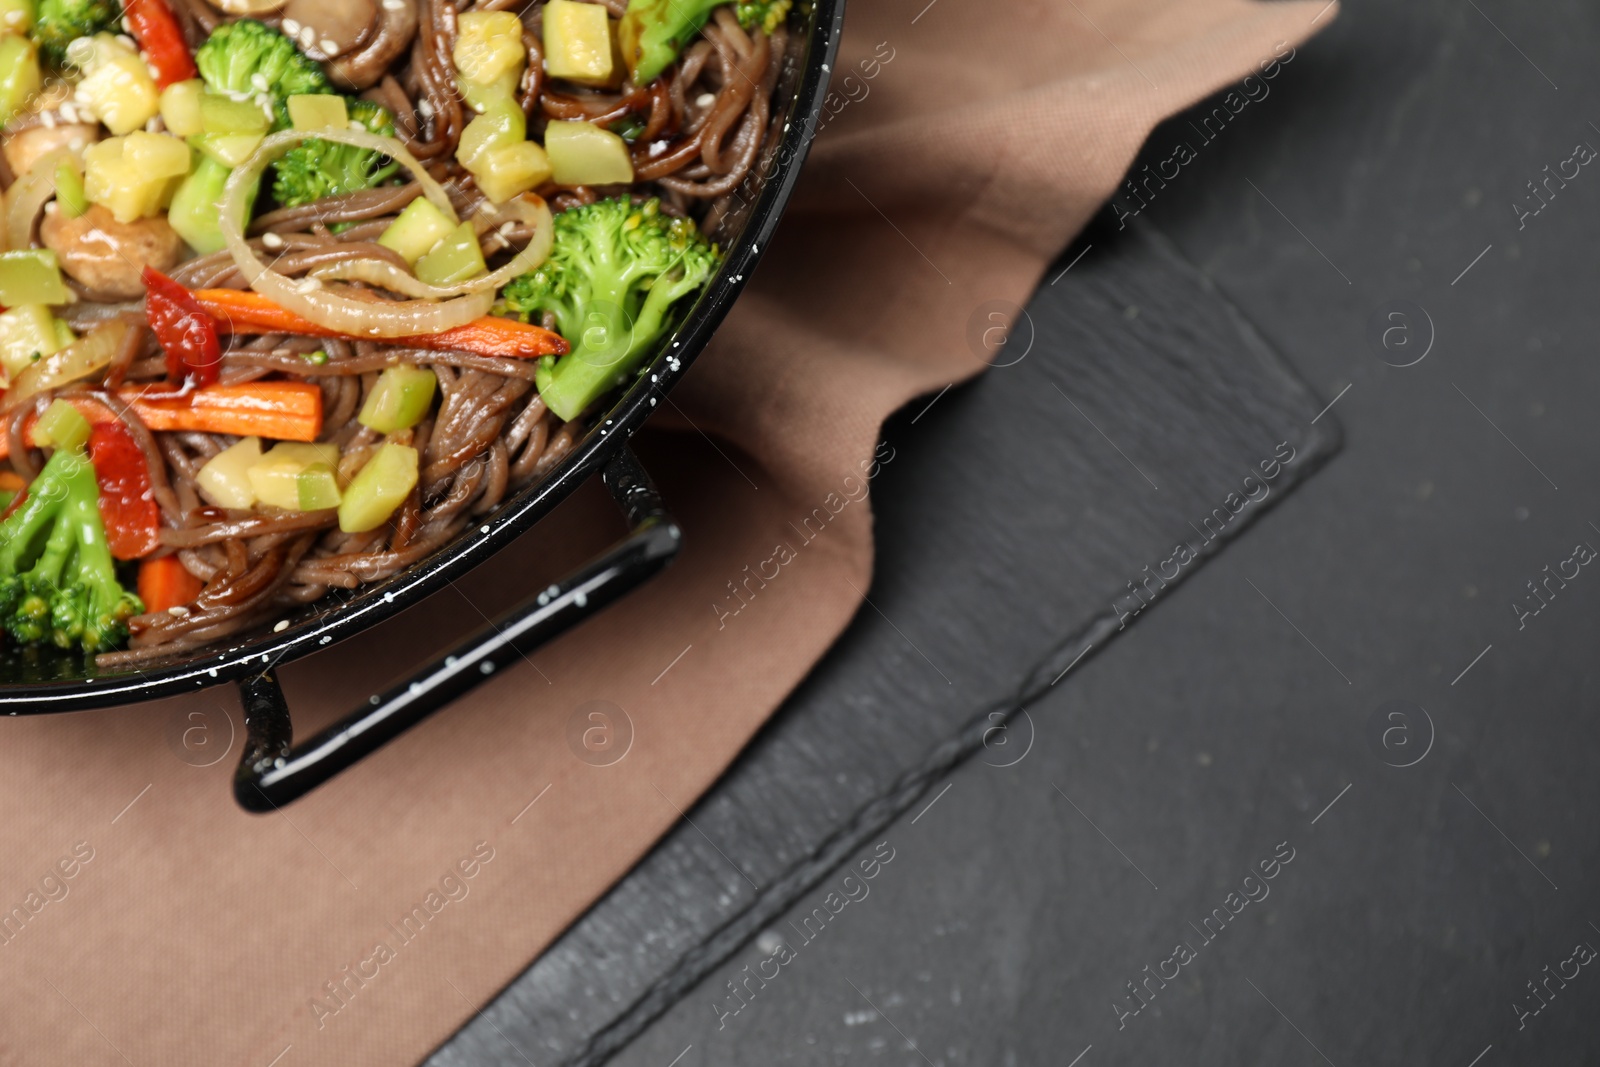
{"x": 608, "y": 349}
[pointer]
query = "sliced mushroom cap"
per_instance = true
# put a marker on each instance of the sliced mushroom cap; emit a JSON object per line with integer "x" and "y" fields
{"x": 396, "y": 26}
{"x": 247, "y": 8}
{"x": 327, "y": 29}
{"x": 108, "y": 256}
{"x": 26, "y": 147}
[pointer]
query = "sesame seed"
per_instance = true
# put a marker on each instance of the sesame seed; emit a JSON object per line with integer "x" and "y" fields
{"x": 310, "y": 285}
{"x": 49, "y": 120}
{"x": 272, "y": 240}
{"x": 329, "y": 46}
{"x": 69, "y": 113}
{"x": 283, "y": 624}
{"x": 177, "y": 612}
{"x": 291, "y": 27}
{"x": 259, "y": 81}
{"x": 705, "y": 99}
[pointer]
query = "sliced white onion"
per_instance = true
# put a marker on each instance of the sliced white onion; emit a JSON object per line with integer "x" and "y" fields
{"x": 528, "y": 208}
{"x": 28, "y": 196}
{"x": 83, "y": 358}
{"x": 329, "y": 308}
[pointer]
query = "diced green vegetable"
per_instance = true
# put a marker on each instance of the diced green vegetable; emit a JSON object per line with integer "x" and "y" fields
{"x": 64, "y": 335}
{"x": 16, "y": 16}
{"x": 6, "y": 497}
{"x": 19, "y": 74}
{"x": 578, "y": 44}
{"x": 399, "y": 400}
{"x": 305, "y": 453}
{"x": 319, "y": 111}
{"x": 417, "y": 230}
{"x": 378, "y": 488}
{"x": 180, "y": 107}
{"x": 193, "y": 213}
{"x": 582, "y": 153}
{"x": 502, "y": 123}
{"x": 223, "y": 114}
{"x": 70, "y": 198}
{"x": 225, "y": 478}
{"x": 229, "y": 149}
{"x": 31, "y": 276}
{"x": 319, "y": 488}
{"x": 456, "y": 259}
{"x": 61, "y": 426}
{"x": 27, "y": 333}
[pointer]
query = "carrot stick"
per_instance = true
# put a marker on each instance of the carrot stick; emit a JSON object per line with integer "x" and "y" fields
{"x": 243, "y": 311}
{"x": 165, "y": 583}
{"x": 284, "y": 411}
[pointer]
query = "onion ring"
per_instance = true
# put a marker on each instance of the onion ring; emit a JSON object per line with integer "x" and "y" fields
{"x": 331, "y": 309}
{"x": 527, "y": 208}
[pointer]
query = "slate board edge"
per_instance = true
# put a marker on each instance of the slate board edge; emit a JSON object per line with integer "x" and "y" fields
{"x": 1323, "y": 440}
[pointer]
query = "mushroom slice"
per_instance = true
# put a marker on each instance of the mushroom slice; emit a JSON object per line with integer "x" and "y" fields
{"x": 26, "y": 147}
{"x": 247, "y": 8}
{"x": 327, "y": 29}
{"x": 107, "y": 256}
{"x": 396, "y": 26}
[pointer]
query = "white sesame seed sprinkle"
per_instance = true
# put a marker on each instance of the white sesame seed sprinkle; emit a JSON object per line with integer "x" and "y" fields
{"x": 272, "y": 240}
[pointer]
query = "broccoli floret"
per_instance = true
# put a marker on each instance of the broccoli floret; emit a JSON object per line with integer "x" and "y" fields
{"x": 314, "y": 169}
{"x": 246, "y": 59}
{"x": 615, "y": 270}
{"x": 653, "y": 32}
{"x": 763, "y": 15}
{"x": 60, "y": 22}
{"x": 58, "y": 581}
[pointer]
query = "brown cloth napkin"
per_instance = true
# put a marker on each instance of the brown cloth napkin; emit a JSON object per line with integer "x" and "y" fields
{"x": 145, "y": 920}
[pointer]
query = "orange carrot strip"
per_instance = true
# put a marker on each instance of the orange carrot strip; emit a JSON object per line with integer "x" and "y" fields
{"x": 287, "y": 411}
{"x": 164, "y": 583}
{"x": 284, "y": 411}
{"x": 243, "y": 311}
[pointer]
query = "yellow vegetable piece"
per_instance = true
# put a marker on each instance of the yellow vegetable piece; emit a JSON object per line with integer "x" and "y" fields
{"x": 19, "y": 74}
{"x": 225, "y": 478}
{"x": 305, "y": 453}
{"x": 512, "y": 169}
{"x": 117, "y": 87}
{"x": 378, "y": 488}
{"x": 582, "y": 153}
{"x": 135, "y": 176}
{"x": 319, "y": 111}
{"x": 489, "y": 46}
{"x": 16, "y": 16}
{"x": 180, "y": 107}
{"x": 579, "y": 43}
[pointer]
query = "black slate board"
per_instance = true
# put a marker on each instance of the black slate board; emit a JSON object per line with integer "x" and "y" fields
{"x": 1143, "y": 403}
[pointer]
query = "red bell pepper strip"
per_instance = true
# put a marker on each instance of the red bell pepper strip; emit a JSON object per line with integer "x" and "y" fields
{"x": 127, "y": 506}
{"x": 161, "y": 39}
{"x": 186, "y": 332}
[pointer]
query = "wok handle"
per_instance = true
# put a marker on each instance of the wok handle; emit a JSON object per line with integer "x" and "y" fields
{"x": 274, "y": 771}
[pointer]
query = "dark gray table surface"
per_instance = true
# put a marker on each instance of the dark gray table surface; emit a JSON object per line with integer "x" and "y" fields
{"x": 1266, "y": 708}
